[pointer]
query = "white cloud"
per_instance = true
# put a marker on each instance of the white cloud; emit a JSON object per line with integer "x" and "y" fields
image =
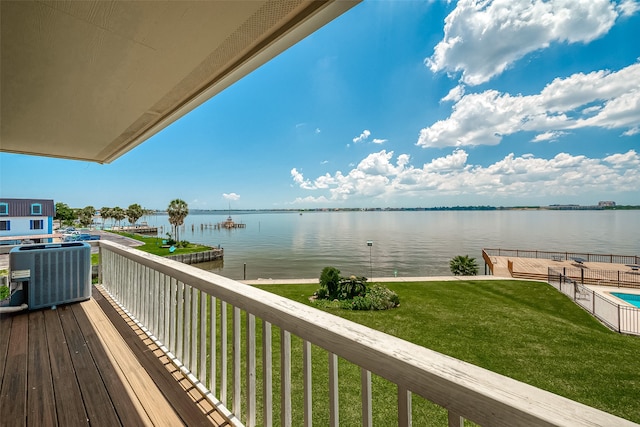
{"x": 630, "y": 159}
{"x": 379, "y": 141}
{"x": 298, "y": 178}
{"x": 231, "y": 196}
{"x": 548, "y": 136}
{"x": 454, "y": 94}
{"x": 377, "y": 176}
{"x": 628, "y": 7}
{"x": 455, "y": 161}
{"x": 484, "y": 118}
{"x": 633, "y": 131}
{"x": 363, "y": 136}
{"x": 483, "y": 38}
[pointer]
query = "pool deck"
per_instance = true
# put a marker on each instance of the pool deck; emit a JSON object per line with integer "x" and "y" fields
{"x": 538, "y": 268}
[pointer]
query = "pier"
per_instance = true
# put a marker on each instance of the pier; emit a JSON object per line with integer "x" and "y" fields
{"x": 229, "y": 224}
{"x": 144, "y": 229}
{"x": 198, "y": 257}
{"x": 585, "y": 268}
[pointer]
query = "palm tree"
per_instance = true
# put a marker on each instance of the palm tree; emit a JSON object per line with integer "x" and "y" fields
{"x": 134, "y": 212}
{"x": 177, "y": 211}
{"x": 85, "y": 215}
{"x": 463, "y": 266}
{"x": 105, "y": 214}
{"x": 118, "y": 214}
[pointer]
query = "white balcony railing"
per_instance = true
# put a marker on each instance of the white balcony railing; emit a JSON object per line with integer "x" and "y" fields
{"x": 177, "y": 305}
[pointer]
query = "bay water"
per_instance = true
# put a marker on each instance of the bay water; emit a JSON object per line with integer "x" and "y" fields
{"x": 291, "y": 245}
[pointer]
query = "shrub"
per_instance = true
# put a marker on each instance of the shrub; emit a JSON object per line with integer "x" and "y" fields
{"x": 329, "y": 280}
{"x": 463, "y": 266}
{"x": 382, "y": 298}
{"x": 322, "y": 293}
{"x": 360, "y": 303}
{"x": 352, "y": 293}
{"x": 349, "y": 288}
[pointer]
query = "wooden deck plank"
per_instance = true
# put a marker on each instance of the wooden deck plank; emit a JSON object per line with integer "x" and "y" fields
{"x": 538, "y": 268}
{"x": 5, "y": 331}
{"x": 127, "y": 406}
{"x": 72, "y": 367}
{"x": 94, "y": 393}
{"x": 13, "y": 395}
{"x": 41, "y": 405}
{"x": 182, "y": 404}
{"x": 70, "y": 409}
{"x": 152, "y": 407}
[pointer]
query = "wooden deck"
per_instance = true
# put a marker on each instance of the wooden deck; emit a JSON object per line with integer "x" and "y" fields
{"x": 84, "y": 364}
{"x": 537, "y": 268}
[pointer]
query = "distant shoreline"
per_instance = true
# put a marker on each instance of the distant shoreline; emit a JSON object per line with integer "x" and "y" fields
{"x": 418, "y": 209}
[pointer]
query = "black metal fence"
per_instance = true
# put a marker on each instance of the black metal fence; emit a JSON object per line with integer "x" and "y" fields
{"x": 564, "y": 256}
{"x": 618, "y": 317}
{"x": 588, "y": 276}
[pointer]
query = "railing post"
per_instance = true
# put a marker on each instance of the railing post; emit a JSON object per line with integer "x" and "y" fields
{"x": 251, "y": 370}
{"x": 212, "y": 345}
{"x": 367, "y": 411}
{"x": 454, "y": 420}
{"x": 180, "y": 321}
{"x": 193, "y": 360}
{"x": 285, "y": 378}
{"x": 334, "y": 419}
{"x": 237, "y": 380}
{"x": 307, "y": 384}
{"x": 404, "y": 407}
{"x": 202, "y": 366}
{"x": 223, "y": 352}
{"x": 619, "y": 316}
{"x": 267, "y": 384}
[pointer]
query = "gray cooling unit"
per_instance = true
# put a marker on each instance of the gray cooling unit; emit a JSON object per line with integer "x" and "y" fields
{"x": 52, "y": 274}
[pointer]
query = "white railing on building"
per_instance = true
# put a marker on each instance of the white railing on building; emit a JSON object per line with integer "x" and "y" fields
{"x": 171, "y": 300}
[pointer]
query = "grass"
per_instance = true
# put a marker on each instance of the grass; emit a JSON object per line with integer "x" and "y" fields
{"x": 524, "y": 330}
{"x": 153, "y": 245}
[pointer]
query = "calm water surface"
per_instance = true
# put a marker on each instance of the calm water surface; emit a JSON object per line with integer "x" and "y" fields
{"x": 290, "y": 245}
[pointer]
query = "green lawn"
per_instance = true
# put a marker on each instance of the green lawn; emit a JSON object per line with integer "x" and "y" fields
{"x": 525, "y": 330}
{"x": 153, "y": 245}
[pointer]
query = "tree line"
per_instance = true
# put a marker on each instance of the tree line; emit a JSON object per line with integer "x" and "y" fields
{"x": 67, "y": 216}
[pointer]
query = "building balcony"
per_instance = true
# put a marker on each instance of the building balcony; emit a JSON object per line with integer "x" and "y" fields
{"x": 163, "y": 343}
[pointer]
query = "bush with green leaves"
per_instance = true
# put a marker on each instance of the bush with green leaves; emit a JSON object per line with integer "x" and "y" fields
{"x": 352, "y": 293}
{"x": 329, "y": 280}
{"x": 463, "y": 266}
{"x": 351, "y": 287}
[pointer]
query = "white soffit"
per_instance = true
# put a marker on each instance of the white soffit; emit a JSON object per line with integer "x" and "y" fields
{"x": 90, "y": 80}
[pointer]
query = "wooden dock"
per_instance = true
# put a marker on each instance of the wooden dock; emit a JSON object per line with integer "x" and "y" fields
{"x": 588, "y": 272}
{"x": 137, "y": 230}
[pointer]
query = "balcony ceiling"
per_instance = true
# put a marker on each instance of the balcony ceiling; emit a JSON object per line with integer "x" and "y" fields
{"x": 91, "y": 80}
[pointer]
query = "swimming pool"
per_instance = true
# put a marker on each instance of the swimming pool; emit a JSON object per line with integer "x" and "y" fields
{"x": 633, "y": 299}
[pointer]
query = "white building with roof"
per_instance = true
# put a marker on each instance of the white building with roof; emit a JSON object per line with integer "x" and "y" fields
{"x": 26, "y": 219}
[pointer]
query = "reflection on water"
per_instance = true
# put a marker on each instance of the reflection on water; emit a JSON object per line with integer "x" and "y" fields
{"x": 215, "y": 265}
{"x": 289, "y": 245}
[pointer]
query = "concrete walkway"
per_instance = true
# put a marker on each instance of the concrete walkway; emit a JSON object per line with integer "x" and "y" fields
{"x": 375, "y": 279}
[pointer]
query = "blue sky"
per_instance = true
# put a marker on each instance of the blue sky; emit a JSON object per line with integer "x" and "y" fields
{"x": 398, "y": 104}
